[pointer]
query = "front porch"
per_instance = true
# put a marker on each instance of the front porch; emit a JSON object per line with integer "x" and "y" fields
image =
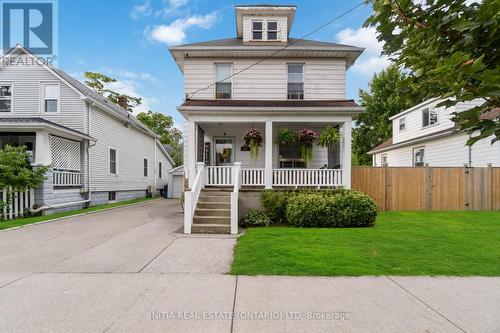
{"x": 216, "y": 158}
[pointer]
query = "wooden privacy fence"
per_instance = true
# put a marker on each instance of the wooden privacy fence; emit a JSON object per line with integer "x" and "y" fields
{"x": 430, "y": 188}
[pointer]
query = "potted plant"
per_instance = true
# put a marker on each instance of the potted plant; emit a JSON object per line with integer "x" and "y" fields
{"x": 306, "y": 137}
{"x": 285, "y": 137}
{"x": 253, "y": 139}
{"x": 329, "y": 137}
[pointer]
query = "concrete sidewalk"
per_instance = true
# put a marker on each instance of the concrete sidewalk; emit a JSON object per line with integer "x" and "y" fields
{"x": 128, "y": 270}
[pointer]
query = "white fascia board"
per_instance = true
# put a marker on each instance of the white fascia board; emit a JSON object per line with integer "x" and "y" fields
{"x": 49, "y": 128}
{"x": 413, "y": 108}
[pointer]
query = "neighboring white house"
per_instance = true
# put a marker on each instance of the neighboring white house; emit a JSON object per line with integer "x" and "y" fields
{"x": 425, "y": 135}
{"x": 97, "y": 151}
{"x": 265, "y": 80}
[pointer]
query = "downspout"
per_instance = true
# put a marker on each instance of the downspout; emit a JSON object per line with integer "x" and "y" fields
{"x": 89, "y": 183}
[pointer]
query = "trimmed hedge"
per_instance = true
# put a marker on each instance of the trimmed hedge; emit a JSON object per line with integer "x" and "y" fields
{"x": 343, "y": 209}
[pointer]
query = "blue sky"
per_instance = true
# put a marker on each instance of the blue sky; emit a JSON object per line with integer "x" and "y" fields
{"x": 129, "y": 39}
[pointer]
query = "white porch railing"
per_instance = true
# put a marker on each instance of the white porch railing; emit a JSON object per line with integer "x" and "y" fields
{"x": 67, "y": 178}
{"x": 219, "y": 176}
{"x": 191, "y": 197}
{"x": 307, "y": 177}
{"x": 253, "y": 177}
{"x": 20, "y": 202}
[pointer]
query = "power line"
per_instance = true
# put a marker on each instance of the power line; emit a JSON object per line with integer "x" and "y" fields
{"x": 284, "y": 48}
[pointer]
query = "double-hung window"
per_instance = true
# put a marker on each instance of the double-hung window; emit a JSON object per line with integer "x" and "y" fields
{"x": 113, "y": 160}
{"x": 402, "y": 124}
{"x": 145, "y": 167}
{"x": 223, "y": 83}
{"x": 257, "y": 29}
{"x": 272, "y": 30}
{"x": 295, "y": 81}
{"x": 160, "y": 172}
{"x": 50, "y": 97}
{"x": 429, "y": 117}
{"x": 418, "y": 156}
{"x": 5, "y": 97}
{"x": 384, "y": 160}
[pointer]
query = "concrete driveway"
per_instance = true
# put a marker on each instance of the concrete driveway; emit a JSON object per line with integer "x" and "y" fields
{"x": 130, "y": 269}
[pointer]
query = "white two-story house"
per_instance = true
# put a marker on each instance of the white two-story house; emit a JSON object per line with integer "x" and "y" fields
{"x": 425, "y": 135}
{"x": 264, "y": 80}
{"x": 97, "y": 152}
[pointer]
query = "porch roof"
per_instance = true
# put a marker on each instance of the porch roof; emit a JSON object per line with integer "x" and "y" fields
{"x": 33, "y": 124}
{"x": 217, "y": 105}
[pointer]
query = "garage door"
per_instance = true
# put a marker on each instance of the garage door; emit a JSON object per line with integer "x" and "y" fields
{"x": 178, "y": 186}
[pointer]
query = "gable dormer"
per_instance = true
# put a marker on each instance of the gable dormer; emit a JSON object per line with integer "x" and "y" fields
{"x": 264, "y": 24}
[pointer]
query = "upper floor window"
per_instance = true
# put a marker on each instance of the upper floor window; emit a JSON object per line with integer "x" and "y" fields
{"x": 429, "y": 117}
{"x": 295, "y": 81}
{"x": 402, "y": 124}
{"x": 160, "y": 171}
{"x": 418, "y": 156}
{"x": 257, "y": 30}
{"x": 272, "y": 30}
{"x": 50, "y": 97}
{"x": 145, "y": 167}
{"x": 223, "y": 81}
{"x": 113, "y": 160}
{"x": 5, "y": 97}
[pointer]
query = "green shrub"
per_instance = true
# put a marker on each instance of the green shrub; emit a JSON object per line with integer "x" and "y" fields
{"x": 274, "y": 203}
{"x": 255, "y": 217}
{"x": 343, "y": 209}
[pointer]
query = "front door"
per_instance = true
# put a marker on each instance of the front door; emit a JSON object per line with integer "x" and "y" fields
{"x": 224, "y": 151}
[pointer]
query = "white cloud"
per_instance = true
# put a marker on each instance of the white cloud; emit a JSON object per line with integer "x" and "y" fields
{"x": 141, "y": 10}
{"x": 371, "y": 61}
{"x": 174, "y": 6}
{"x": 175, "y": 33}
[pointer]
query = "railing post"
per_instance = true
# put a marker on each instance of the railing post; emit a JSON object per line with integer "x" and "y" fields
{"x": 200, "y": 165}
{"x": 237, "y": 175}
{"x": 188, "y": 211}
{"x": 269, "y": 155}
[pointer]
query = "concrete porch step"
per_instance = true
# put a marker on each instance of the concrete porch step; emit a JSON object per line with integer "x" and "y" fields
{"x": 214, "y": 194}
{"x": 224, "y": 220}
{"x": 210, "y": 229}
{"x": 212, "y": 212}
{"x": 214, "y": 198}
{"x": 213, "y": 205}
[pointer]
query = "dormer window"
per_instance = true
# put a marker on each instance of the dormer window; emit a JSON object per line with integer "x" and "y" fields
{"x": 402, "y": 124}
{"x": 272, "y": 30}
{"x": 257, "y": 29}
{"x": 429, "y": 117}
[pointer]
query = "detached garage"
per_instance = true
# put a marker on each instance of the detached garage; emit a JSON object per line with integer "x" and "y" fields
{"x": 176, "y": 182}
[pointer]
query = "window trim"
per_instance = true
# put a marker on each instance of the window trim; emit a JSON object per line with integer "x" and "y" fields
{"x": 403, "y": 121}
{"x": 303, "y": 79}
{"x": 268, "y": 30}
{"x": 43, "y": 84}
{"x": 231, "y": 78}
{"x": 429, "y": 118}
{"x": 145, "y": 167}
{"x": 110, "y": 148}
{"x": 261, "y": 31}
{"x": 414, "y": 149}
{"x": 11, "y": 84}
{"x": 160, "y": 170}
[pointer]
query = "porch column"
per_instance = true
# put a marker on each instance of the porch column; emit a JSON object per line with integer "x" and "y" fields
{"x": 269, "y": 154}
{"x": 346, "y": 164}
{"x": 43, "y": 156}
{"x": 191, "y": 151}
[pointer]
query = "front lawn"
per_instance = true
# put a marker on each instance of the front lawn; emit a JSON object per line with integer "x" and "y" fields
{"x": 34, "y": 219}
{"x": 401, "y": 243}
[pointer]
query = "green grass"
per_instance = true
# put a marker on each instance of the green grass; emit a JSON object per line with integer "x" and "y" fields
{"x": 34, "y": 219}
{"x": 401, "y": 243}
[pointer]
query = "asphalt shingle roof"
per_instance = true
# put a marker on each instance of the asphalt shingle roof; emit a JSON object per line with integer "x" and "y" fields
{"x": 295, "y": 41}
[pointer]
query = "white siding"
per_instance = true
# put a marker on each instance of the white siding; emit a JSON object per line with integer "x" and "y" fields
{"x": 324, "y": 79}
{"x": 446, "y": 152}
{"x": 414, "y": 120}
{"x": 27, "y": 96}
{"x": 166, "y": 166}
{"x": 132, "y": 145}
{"x": 282, "y": 27}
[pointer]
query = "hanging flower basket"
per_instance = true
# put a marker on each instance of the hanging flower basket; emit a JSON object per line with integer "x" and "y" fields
{"x": 306, "y": 137}
{"x": 253, "y": 139}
